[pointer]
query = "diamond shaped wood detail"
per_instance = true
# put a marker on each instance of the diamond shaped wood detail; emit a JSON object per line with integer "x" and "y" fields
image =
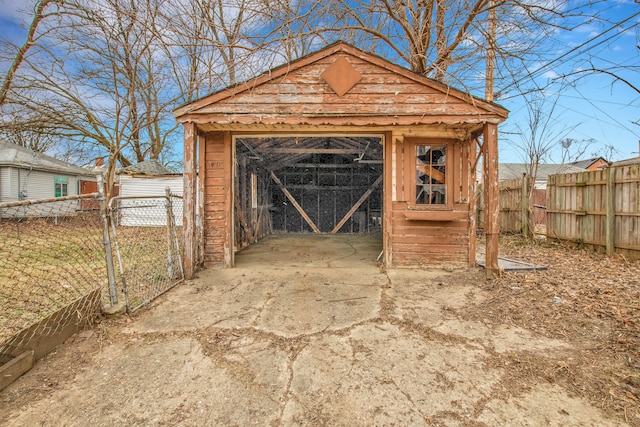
{"x": 341, "y": 76}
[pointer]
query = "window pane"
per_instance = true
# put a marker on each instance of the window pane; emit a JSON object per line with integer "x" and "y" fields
{"x": 431, "y": 175}
{"x": 60, "y": 189}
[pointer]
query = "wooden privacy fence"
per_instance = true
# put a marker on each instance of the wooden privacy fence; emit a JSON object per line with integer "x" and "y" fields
{"x": 599, "y": 208}
{"x": 514, "y": 205}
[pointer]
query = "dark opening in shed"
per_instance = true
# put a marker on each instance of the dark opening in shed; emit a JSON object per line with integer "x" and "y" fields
{"x": 307, "y": 184}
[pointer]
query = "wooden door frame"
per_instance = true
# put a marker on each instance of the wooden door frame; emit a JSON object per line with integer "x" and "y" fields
{"x": 382, "y": 136}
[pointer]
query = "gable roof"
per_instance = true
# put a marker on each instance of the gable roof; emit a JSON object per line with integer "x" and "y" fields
{"x": 24, "y": 158}
{"x": 314, "y": 90}
{"x": 516, "y": 170}
{"x": 587, "y": 162}
{"x": 151, "y": 167}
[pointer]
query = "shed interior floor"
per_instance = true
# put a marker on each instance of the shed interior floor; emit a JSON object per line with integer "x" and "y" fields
{"x": 313, "y": 250}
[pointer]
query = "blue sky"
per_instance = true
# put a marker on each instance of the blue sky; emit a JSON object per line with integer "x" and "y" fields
{"x": 590, "y": 105}
{"x": 593, "y": 105}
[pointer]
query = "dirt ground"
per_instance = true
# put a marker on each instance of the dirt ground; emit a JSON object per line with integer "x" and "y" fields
{"x": 309, "y": 330}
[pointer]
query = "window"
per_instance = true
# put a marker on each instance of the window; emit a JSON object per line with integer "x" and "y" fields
{"x": 60, "y": 186}
{"x": 431, "y": 172}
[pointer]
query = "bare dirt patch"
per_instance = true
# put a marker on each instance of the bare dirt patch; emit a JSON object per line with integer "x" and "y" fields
{"x": 584, "y": 299}
{"x": 342, "y": 342}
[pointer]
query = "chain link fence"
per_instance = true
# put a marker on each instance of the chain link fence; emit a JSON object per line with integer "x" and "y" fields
{"x": 63, "y": 259}
{"x": 52, "y": 268}
{"x": 147, "y": 235}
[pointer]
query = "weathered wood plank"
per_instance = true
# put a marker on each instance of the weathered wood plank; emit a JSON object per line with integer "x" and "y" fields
{"x": 492, "y": 226}
{"x": 189, "y": 254}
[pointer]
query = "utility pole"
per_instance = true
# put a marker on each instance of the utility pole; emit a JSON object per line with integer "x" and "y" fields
{"x": 491, "y": 53}
{"x": 490, "y": 159}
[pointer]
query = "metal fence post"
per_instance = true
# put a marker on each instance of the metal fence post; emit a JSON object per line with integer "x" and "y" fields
{"x": 169, "y": 243}
{"x": 108, "y": 255}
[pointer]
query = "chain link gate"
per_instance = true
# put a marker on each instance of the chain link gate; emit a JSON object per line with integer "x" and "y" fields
{"x": 147, "y": 246}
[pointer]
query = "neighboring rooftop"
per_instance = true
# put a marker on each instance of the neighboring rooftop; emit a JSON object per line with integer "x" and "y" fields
{"x": 588, "y": 163}
{"x": 516, "y": 170}
{"x": 627, "y": 162}
{"x": 21, "y": 157}
{"x": 150, "y": 167}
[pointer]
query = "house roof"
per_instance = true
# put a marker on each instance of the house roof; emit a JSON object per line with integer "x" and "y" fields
{"x": 339, "y": 85}
{"x": 516, "y": 170}
{"x": 627, "y": 162}
{"x": 21, "y": 157}
{"x": 150, "y": 167}
{"x": 586, "y": 162}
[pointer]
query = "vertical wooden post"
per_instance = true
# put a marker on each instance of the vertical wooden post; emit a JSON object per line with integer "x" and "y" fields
{"x": 389, "y": 195}
{"x": 200, "y": 199}
{"x": 189, "y": 200}
{"x": 229, "y": 222}
{"x": 491, "y": 208}
{"x": 610, "y": 225}
{"x": 525, "y": 205}
{"x": 473, "y": 209}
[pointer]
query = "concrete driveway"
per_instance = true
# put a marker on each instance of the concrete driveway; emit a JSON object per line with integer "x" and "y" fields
{"x": 306, "y": 330}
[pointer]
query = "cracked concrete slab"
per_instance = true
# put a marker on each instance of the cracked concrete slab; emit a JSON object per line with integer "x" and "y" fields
{"x": 340, "y": 342}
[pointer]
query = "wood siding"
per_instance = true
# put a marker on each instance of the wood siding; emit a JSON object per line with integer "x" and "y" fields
{"x": 217, "y": 225}
{"x": 421, "y": 237}
{"x": 386, "y": 95}
{"x": 304, "y": 92}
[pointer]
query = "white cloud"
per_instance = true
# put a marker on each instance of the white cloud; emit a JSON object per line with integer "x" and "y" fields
{"x": 16, "y": 10}
{"x": 551, "y": 74}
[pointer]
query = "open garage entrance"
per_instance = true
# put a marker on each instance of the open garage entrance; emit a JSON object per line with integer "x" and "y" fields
{"x": 320, "y": 184}
{"x": 299, "y": 149}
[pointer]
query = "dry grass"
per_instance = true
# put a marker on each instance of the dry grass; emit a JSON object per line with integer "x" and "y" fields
{"x": 585, "y": 298}
{"x": 45, "y": 266}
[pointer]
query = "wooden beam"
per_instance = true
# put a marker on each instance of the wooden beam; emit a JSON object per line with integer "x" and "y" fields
{"x": 491, "y": 207}
{"x": 357, "y": 205}
{"x": 201, "y": 178}
{"x": 229, "y": 221}
{"x": 473, "y": 211}
{"x": 189, "y": 256}
{"x": 311, "y": 151}
{"x": 431, "y": 172}
{"x": 295, "y": 203}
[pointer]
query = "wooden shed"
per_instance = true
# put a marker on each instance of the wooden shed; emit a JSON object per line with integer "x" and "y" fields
{"x": 340, "y": 141}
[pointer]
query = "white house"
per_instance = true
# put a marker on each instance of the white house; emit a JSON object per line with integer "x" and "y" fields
{"x": 139, "y": 182}
{"x": 29, "y": 175}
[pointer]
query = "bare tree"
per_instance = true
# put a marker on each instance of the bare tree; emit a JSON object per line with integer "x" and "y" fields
{"x": 292, "y": 29}
{"x": 32, "y": 38}
{"x": 538, "y": 139}
{"x": 100, "y": 81}
{"x": 573, "y": 149}
{"x": 446, "y": 39}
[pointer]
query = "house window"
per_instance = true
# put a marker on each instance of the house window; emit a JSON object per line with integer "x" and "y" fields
{"x": 60, "y": 186}
{"x": 431, "y": 175}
